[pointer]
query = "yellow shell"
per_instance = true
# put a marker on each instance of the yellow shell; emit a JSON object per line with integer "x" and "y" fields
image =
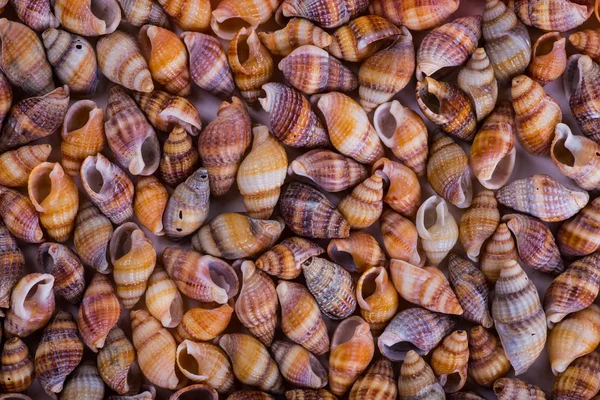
{"x": 439, "y": 238}
{"x": 363, "y": 206}
{"x": 478, "y": 81}
{"x": 88, "y": 17}
{"x": 498, "y": 250}
{"x": 357, "y": 253}
{"x": 189, "y": 15}
{"x": 417, "y": 379}
{"x": 16, "y": 165}
{"x": 232, "y": 15}
{"x": 149, "y": 203}
{"x": 377, "y": 298}
{"x": 587, "y": 42}
{"x": 19, "y": 216}
{"x": 326, "y": 14}
{"x": 487, "y": 360}
{"x": 416, "y": 15}
{"x": 580, "y": 379}
{"x": 206, "y": 363}
{"x": 141, "y": 12}
{"x": 478, "y": 223}
{"x": 404, "y": 192}
{"x": 91, "y": 237}
{"x": 401, "y": 238}
{"x": 378, "y": 382}
{"x": 512, "y": 388}
{"x": 202, "y": 324}
{"x": 116, "y": 363}
{"x": 449, "y": 361}
{"x": 549, "y": 58}
{"x": 578, "y": 236}
{"x": 163, "y": 299}
{"x": 299, "y": 366}
{"x": 17, "y": 369}
{"x": 297, "y": 32}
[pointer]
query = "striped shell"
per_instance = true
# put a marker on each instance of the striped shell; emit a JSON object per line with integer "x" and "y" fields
{"x": 163, "y": 299}
{"x": 579, "y": 380}
{"x": 17, "y": 371}
{"x": 149, "y": 203}
{"x": 284, "y": 260}
{"x": 206, "y": 363}
{"x": 587, "y": 42}
{"x": 401, "y": 238}
{"x": 487, "y": 359}
{"x": 299, "y": 366}
{"x": 416, "y": 15}
{"x": 297, "y": 32}
{"x": 378, "y": 382}
{"x": 580, "y": 83}
{"x": 92, "y": 234}
{"x": 578, "y": 236}
{"x": 62, "y": 263}
{"x": 357, "y": 253}
{"x": 12, "y": 265}
{"x": 439, "y": 238}
{"x": 499, "y": 249}
{"x": 549, "y": 58}
{"x": 404, "y": 191}
{"x": 201, "y": 324}
{"x": 84, "y": 382}
{"x": 19, "y": 216}
{"x": 167, "y": 112}
{"x": 116, "y": 363}
{"x": 189, "y": 15}
{"x": 363, "y": 206}
{"x": 179, "y": 158}
{"x": 377, "y": 298}
{"x": 512, "y": 389}
{"x": 36, "y": 14}
{"x": 478, "y": 223}
{"x": 449, "y": 361}
{"x": 232, "y": 15}
{"x": 16, "y": 165}
{"x": 141, "y": 12}
{"x": 478, "y": 81}
{"x": 554, "y": 15}
{"x": 417, "y": 380}
{"x": 326, "y": 14}
{"x": 31, "y": 305}
{"x": 88, "y": 17}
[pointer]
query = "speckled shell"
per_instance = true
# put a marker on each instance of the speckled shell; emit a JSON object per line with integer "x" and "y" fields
{"x": 297, "y": 32}
{"x": 84, "y": 382}
{"x": 401, "y": 239}
{"x": 193, "y": 274}
{"x": 498, "y": 250}
{"x": 223, "y": 143}
{"x": 36, "y": 14}
{"x": 209, "y": 67}
{"x": 549, "y": 58}
{"x": 189, "y": 15}
{"x": 326, "y": 14}
{"x": 439, "y": 238}
{"x": 378, "y": 383}
{"x": 201, "y": 324}
{"x": 73, "y": 60}
{"x": 251, "y": 361}
{"x": 84, "y": 17}
{"x": 478, "y": 81}
{"x": 92, "y": 233}
{"x": 163, "y": 300}
{"x": 23, "y": 59}
{"x": 575, "y": 157}
{"x": 587, "y": 42}
{"x": 421, "y": 329}
{"x": 116, "y": 363}
{"x": 579, "y": 380}
{"x": 187, "y": 208}
{"x": 478, "y": 223}
{"x": 449, "y": 361}
{"x": 578, "y": 236}
{"x": 19, "y": 216}
{"x": 377, "y": 298}
{"x": 448, "y": 107}
{"x": 141, "y": 12}
{"x": 121, "y": 61}
{"x": 513, "y": 389}
{"x": 17, "y": 370}
{"x": 34, "y": 118}
{"x": 416, "y": 15}
{"x": 12, "y": 265}
{"x": 298, "y": 366}
{"x": 206, "y": 363}
{"x": 404, "y": 192}
{"x": 554, "y": 15}
{"x": 363, "y": 206}
{"x": 518, "y": 317}
{"x": 308, "y": 394}
{"x": 62, "y": 263}
{"x": 31, "y": 305}
{"x": 167, "y": 112}
{"x": 149, "y": 203}
{"x": 16, "y": 165}
{"x": 417, "y": 380}
{"x": 311, "y": 69}
{"x": 179, "y": 159}
{"x": 285, "y": 259}
{"x": 167, "y": 59}
{"x": 232, "y": 15}
{"x": 301, "y": 319}
{"x": 487, "y": 360}
{"x": 581, "y": 82}
{"x": 357, "y": 253}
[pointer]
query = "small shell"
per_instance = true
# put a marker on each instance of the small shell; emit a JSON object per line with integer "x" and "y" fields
{"x": 141, "y": 12}
{"x": 417, "y": 380}
{"x": 363, "y": 206}
{"x": 404, "y": 191}
{"x": 298, "y": 366}
{"x": 150, "y": 202}
{"x": 536, "y": 115}
{"x": 62, "y": 263}
{"x": 189, "y": 15}
{"x": 167, "y": 59}
{"x": 403, "y": 131}
{"x": 448, "y": 107}
{"x": 311, "y": 70}
{"x": 416, "y": 15}
{"x": 414, "y": 328}
{"x": 188, "y": 206}
{"x": 16, "y": 370}
{"x": 357, "y": 253}
{"x": 575, "y": 157}
{"x": 377, "y": 298}
{"x": 193, "y": 274}
{"x": 59, "y": 352}
{"x": 253, "y": 395}
{"x": 85, "y": 382}
{"x": 92, "y": 234}
{"x": 179, "y": 159}
{"x": 555, "y": 15}
{"x": 297, "y": 32}
{"x": 401, "y": 238}
{"x": 285, "y": 259}
{"x": 148, "y": 393}
{"x": 251, "y": 64}
{"x": 549, "y": 59}
{"x": 36, "y": 14}
{"x": 464, "y": 396}
{"x": 377, "y": 383}
{"x": 117, "y": 365}
{"x": 19, "y": 216}
{"x": 163, "y": 300}
{"x": 223, "y": 144}
{"x": 514, "y": 389}
{"x": 251, "y": 361}
{"x": 206, "y": 363}
{"x": 167, "y": 112}
{"x": 301, "y": 320}
{"x": 99, "y": 312}
{"x": 326, "y": 14}
{"x": 6, "y": 96}
{"x": 121, "y": 61}
{"x": 88, "y": 17}
{"x": 16, "y": 165}
{"x": 487, "y": 360}
{"x": 498, "y": 250}
{"x": 581, "y": 82}
{"x": 306, "y": 394}
{"x": 232, "y": 15}
{"x": 587, "y": 42}
{"x": 209, "y": 67}
{"x": 478, "y": 81}
{"x": 579, "y": 380}
{"x": 478, "y": 223}
{"x": 519, "y": 317}
{"x": 31, "y": 305}
{"x": 12, "y": 265}
{"x": 449, "y": 361}
{"x": 441, "y": 236}
{"x": 201, "y": 324}
{"x": 579, "y": 236}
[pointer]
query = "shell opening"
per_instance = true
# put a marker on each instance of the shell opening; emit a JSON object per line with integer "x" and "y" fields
{"x": 502, "y": 171}
{"x": 342, "y": 336}
{"x": 47, "y": 259}
{"x": 397, "y": 351}
{"x": 385, "y": 121}
{"x": 124, "y": 243}
{"x": 243, "y": 49}
{"x": 343, "y": 257}
{"x": 429, "y": 99}
{"x": 42, "y": 187}
{"x": 94, "y": 178}
{"x": 546, "y": 45}
{"x": 219, "y": 278}
{"x": 188, "y": 362}
{"x": 453, "y": 380}
{"x": 562, "y": 153}
{"x": 148, "y": 152}
{"x": 107, "y": 12}
{"x": 79, "y": 117}
{"x": 231, "y": 26}
{"x": 369, "y": 285}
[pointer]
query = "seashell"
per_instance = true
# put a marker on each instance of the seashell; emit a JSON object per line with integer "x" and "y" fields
{"x": 579, "y": 380}
{"x": 471, "y": 290}
{"x": 73, "y": 60}
{"x": 6, "y": 96}
{"x": 401, "y": 239}
{"x": 141, "y": 12}
{"x": 20, "y": 216}
{"x": 297, "y": 32}
{"x": 155, "y": 349}
{"x": 121, "y": 61}
{"x": 549, "y": 58}
{"x": 24, "y": 62}
{"x": 59, "y": 352}
{"x": 326, "y": 14}
{"x": 209, "y": 67}
{"x": 513, "y": 389}
{"x": 363, "y": 206}
{"x": 507, "y": 42}
{"x": 416, "y": 15}
{"x": 573, "y": 290}
{"x": 377, "y": 383}
{"x": 587, "y": 42}
{"x": 88, "y": 17}
{"x": 448, "y": 107}
{"x": 108, "y": 187}
{"x": 167, "y": 59}
{"x": 301, "y": 320}
{"x": 449, "y": 361}
{"x": 84, "y": 382}
{"x": 478, "y": 223}
{"x": 206, "y": 363}
{"x": 66, "y": 268}
{"x": 498, "y": 250}
{"x": 150, "y": 202}
{"x": 478, "y": 81}
{"x": 203, "y": 278}
{"x": 577, "y": 236}
{"x": 535, "y": 125}
{"x": 414, "y": 328}
{"x": 357, "y": 253}
{"x": 404, "y": 132}
{"x": 251, "y": 362}
{"x": 179, "y": 159}
{"x": 350, "y": 131}
{"x": 198, "y": 391}
{"x": 36, "y": 14}
{"x": 163, "y": 300}
{"x": 487, "y": 360}
{"x": 404, "y": 191}
{"x": 189, "y": 15}
{"x": 417, "y": 380}
{"x": 331, "y": 171}
{"x": 308, "y": 394}
{"x": 307, "y": 212}
{"x": 17, "y": 370}
{"x": 298, "y": 366}
{"x": 449, "y": 45}
{"x": 34, "y": 118}
{"x": 518, "y": 317}
{"x": 555, "y": 15}
{"x": 12, "y": 265}
{"x": 31, "y": 305}
{"x": 223, "y": 144}
{"x": 284, "y": 260}
{"x": 251, "y": 64}
{"x": 580, "y": 82}
{"x": 14, "y": 396}
{"x": 575, "y": 157}
{"x": 437, "y": 239}
{"x": 252, "y": 395}
{"x": 200, "y": 324}
{"x": 256, "y": 306}
{"x": 377, "y": 298}
{"x": 187, "y": 208}
{"x": 116, "y": 363}
{"x": 167, "y": 112}
{"x": 149, "y": 393}
{"x": 55, "y": 196}
{"x": 92, "y": 233}
{"x": 311, "y": 70}
{"x": 231, "y": 16}
{"x": 16, "y": 165}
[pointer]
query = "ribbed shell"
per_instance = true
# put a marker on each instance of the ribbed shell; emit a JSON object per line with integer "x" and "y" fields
{"x": 498, "y": 250}
{"x": 478, "y": 223}
{"x": 80, "y": 16}
{"x": 189, "y": 15}
{"x": 363, "y": 206}
{"x": 377, "y": 383}
{"x": 141, "y": 12}
{"x": 416, "y": 15}
{"x": 580, "y": 380}
{"x": 587, "y": 41}
{"x": 85, "y": 382}
{"x": 554, "y": 15}
{"x": 478, "y": 81}
{"x": 6, "y": 96}
{"x": 357, "y": 253}
{"x": 513, "y": 389}
{"x": 179, "y": 159}
{"x": 297, "y": 32}
{"x": 231, "y": 15}
{"x": 417, "y": 380}
{"x": 206, "y": 363}
{"x": 62, "y": 263}
{"x": 326, "y": 14}
{"x": 36, "y": 14}
{"x": 167, "y": 112}
{"x": 581, "y": 83}
{"x": 163, "y": 299}
{"x": 404, "y": 191}
{"x": 149, "y": 203}
{"x": 116, "y": 363}
{"x": 201, "y": 324}
{"x": 579, "y": 235}
{"x": 307, "y": 394}
{"x": 298, "y": 366}
{"x": 549, "y": 58}
{"x": 487, "y": 360}
{"x": 401, "y": 238}
{"x": 439, "y": 238}
{"x": 16, "y": 165}
{"x": 12, "y": 265}
{"x": 31, "y": 305}
{"x": 253, "y": 395}
{"x": 17, "y": 369}
{"x": 285, "y": 259}
{"x": 19, "y": 216}
{"x": 449, "y": 361}
{"x": 91, "y": 237}
{"x": 377, "y": 298}
{"x": 148, "y": 392}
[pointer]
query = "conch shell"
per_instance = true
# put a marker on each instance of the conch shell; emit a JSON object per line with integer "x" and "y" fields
{"x": 167, "y": 112}
{"x": 417, "y": 379}
{"x": 549, "y": 58}
{"x": 478, "y": 223}
{"x": 297, "y": 32}
{"x": 206, "y": 363}
{"x": 449, "y": 361}
{"x": 299, "y": 366}
{"x": 36, "y": 14}
{"x": 232, "y": 15}
{"x": 88, "y": 17}
{"x": 163, "y": 299}
{"x": 363, "y": 206}
{"x": 587, "y": 42}
{"x": 438, "y": 232}
{"x": 553, "y": 15}
{"x": 478, "y": 81}
{"x": 17, "y": 371}
{"x": 326, "y": 14}
{"x": 416, "y": 15}
{"x": 357, "y": 253}
{"x": 377, "y": 298}
{"x": 31, "y": 305}
{"x": 401, "y": 238}
{"x": 487, "y": 359}
{"x": 579, "y": 235}
{"x": 66, "y": 267}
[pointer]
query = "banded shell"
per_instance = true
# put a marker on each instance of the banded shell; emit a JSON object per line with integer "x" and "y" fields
{"x": 577, "y": 236}
{"x": 12, "y": 265}
{"x": 404, "y": 191}
{"x": 580, "y": 82}
{"x": 478, "y": 223}
{"x": 230, "y": 16}
{"x": 88, "y": 17}
{"x": 377, "y": 298}
{"x": 17, "y": 371}
{"x": 19, "y": 216}
{"x": 363, "y": 206}
{"x": 307, "y": 394}
{"x": 167, "y": 112}
{"x": 163, "y": 299}
{"x": 298, "y": 366}
{"x": 579, "y": 380}
{"x": 357, "y": 253}
{"x": 31, "y": 305}
{"x": 417, "y": 379}
{"x": 84, "y": 382}
{"x": 587, "y": 42}
{"x": 189, "y": 15}
{"x": 487, "y": 360}
{"x": 116, "y": 363}
{"x": 91, "y": 237}
{"x": 66, "y": 268}
{"x": 555, "y": 15}
{"x": 201, "y": 324}
{"x": 512, "y": 388}
{"x": 416, "y": 15}
{"x": 6, "y": 96}
{"x": 401, "y": 238}
{"x": 284, "y": 260}
{"x": 326, "y": 14}
{"x": 206, "y": 363}
{"x": 36, "y": 14}
{"x": 141, "y": 12}
{"x": 498, "y": 250}
{"x": 149, "y": 204}
{"x": 297, "y": 32}
{"x": 478, "y": 81}
{"x": 16, "y": 165}
{"x": 253, "y": 395}
{"x": 449, "y": 361}
{"x": 438, "y": 232}
{"x": 549, "y": 58}
{"x": 378, "y": 382}
{"x": 179, "y": 158}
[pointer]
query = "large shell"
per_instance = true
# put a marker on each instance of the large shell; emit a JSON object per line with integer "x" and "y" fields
{"x": 297, "y": 32}
{"x": 285, "y": 259}
{"x": 88, "y": 17}
{"x": 17, "y": 370}
{"x": 12, "y": 265}
{"x": 549, "y": 58}
{"x": 31, "y": 305}
{"x": 92, "y": 234}
{"x": 232, "y": 15}
{"x": 513, "y": 389}
{"x": 326, "y": 14}
{"x": 449, "y": 361}
{"x": 363, "y": 206}
{"x": 575, "y": 157}
{"x": 36, "y": 14}
{"x": 85, "y": 382}
{"x": 378, "y": 382}
{"x": 404, "y": 191}
{"x": 437, "y": 229}
{"x": 201, "y": 324}
{"x": 478, "y": 81}
{"x": 554, "y": 15}
{"x": 141, "y": 12}
{"x": 16, "y": 165}
{"x": 19, "y": 216}
{"x": 357, "y": 253}
{"x": 498, "y": 250}
{"x": 519, "y": 317}
{"x": 478, "y": 223}
{"x": 401, "y": 238}
{"x": 377, "y": 298}
{"x": 206, "y": 363}
{"x": 581, "y": 82}
{"x": 416, "y": 15}
{"x": 167, "y": 112}
{"x": 117, "y": 365}
{"x": 179, "y": 159}
{"x": 487, "y": 360}
{"x": 579, "y": 236}
{"x": 189, "y": 15}
{"x": 163, "y": 299}
{"x": 417, "y": 380}
{"x": 587, "y": 42}
{"x": 149, "y": 204}
{"x": 298, "y": 366}
{"x": 306, "y": 394}
{"x": 62, "y": 263}
{"x": 579, "y": 380}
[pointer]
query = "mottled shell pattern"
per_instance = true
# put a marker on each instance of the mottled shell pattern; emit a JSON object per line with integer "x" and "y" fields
{"x": 377, "y": 298}
{"x": 179, "y": 158}
{"x": 163, "y": 299}
{"x": 36, "y": 14}
{"x": 580, "y": 82}
{"x": 487, "y": 359}
{"x": 326, "y": 14}
{"x": 167, "y": 112}
{"x": 206, "y": 363}
{"x": 403, "y": 194}
{"x": 513, "y": 388}
{"x": 85, "y": 18}
{"x": 555, "y": 15}
{"x": 116, "y": 363}
{"x": 93, "y": 231}
{"x": 141, "y": 12}
{"x": 232, "y": 15}
{"x": 84, "y": 381}
{"x": 570, "y": 382}
{"x": 19, "y": 216}
{"x": 401, "y": 238}
{"x": 13, "y": 265}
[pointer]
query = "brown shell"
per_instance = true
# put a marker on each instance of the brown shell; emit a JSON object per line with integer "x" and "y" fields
{"x": 36, "y": 14}
{"x": 487, "y": 360}
{"x": 62, "y": 263}
{"x": 189, "y": 15}
{"x": 587, "y": 42}
{"x": 363, "y": 206}
{"x": 417, "y": 379}
{"x": 579, "y": 380}
{"x": 80, "y": 16}
{"x": 403, "y": 194}
{"x": 357, "y": 253}
{"x": 17, "y": 369}
{"x": 401, "y": 238}
{"x": 498, "y": 250}
{"x": 117, "y": 365}
{"x": 12, "y": 264}
{"x": 31, "y": 305}
{"x": 149, "y": 203}
{"x": 309, "y": 394}
{"x": 377, "y": 383}
{"x": 478, "y": 81}
{"x": 581, "y": 83}
{"x": 449, "y": 361}
{"x": 416, "y": 15}
{"x": 179, "y": 158}
{"x": 163, "y": 299}
{"x": 513, "y": 389}
{"x": 19, "y": 216}
{"x": 297, "y": 32}
{"x": 167, "y": 112}
{"x": 556, "y": 15}
{"x": 231, "y": 15}
{"x": 206, "y": 363}
{"x": 84, "y": 382}
{"x": 478, "y": 223}
{"x": 326, "y": 14}
{"x": 92, "y": 234}
{"x": 16, "y": 165}
{"x": 202, "y": 324}
{"x": 377, "y": 298}
{"x": 141, "y": 12}
{"x": 284, "y": 260}
{"x": 549, "y": 59}
{"x": 579, "y": 236}
{"x": 299, "y": 366}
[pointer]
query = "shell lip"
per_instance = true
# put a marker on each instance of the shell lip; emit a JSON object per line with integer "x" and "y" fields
{"x": 424, "y": 220}
{"x": 500, "y": 174}
{"x": 224, "y": 280}
{"x": 396, "y": 350}
{"x": 42, "y": 183}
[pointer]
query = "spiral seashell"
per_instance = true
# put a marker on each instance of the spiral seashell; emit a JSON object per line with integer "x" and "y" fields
{"x": 23, "y": 59}
{"x": 587, "y": 42}
{"x": 12, "y": 265}
{"x": 377, "y": 298}
{"x": 498, "y": 250}
{"x": 579, "y": 380}
{"x": 301, "y": 320}
{"x": 167, "y": 112}
{"x": 487, "y": 360}
{"x": 549, "y": 58}
{"x": 84, "y": 382}
{"x": 297, "y": 32}
{"x": 36, "y": 14}
{"x": 261, "y": 174}
{"x": 163, "y": 300}
{"x": 580, "y": 82}
{"x": 62, "y": 263}
{"x": 253, "y": 395}
{"x": 575, "y": 157}
{"x": 251, "y": 362}
{"x": 16, "y": 165}
{"x": 149, "y": 203}
{"x": 148, "y": 393}
{"x": 513, "y": 389}
{"x": 308, "y": 394}
{"x": 256, "y": 306}
{"x": 20, "y": 216}
{"x": 577, "y": 236}
{"x": 31, "y": 305}
{"x": 141, "y": 12}
{"x": 357, "y": 253}
{"x": 417, "y": 380}
{"x": 326, "y": 14}
{"x": 251, "y": 68}
{"x": 363, "y": 206}
{"x": 34, "y": 118}
{"x": 378, "y": 382}
{"x": 439, "y": 238}
{"x": 401, "y": 238}
{"x": 478, "y": 223}
{"x": 478, "y": 81}
{"x": 298, "y": 366}
{"x": 414, "y": 328}
{"x": 311, "y": 70}
{"x": 88, "y": 17}
{"x": 16, "y": 370}
{"x": 167, "y": 59}
{"x": 471, "y": 290}
{"x": 6, "y": 96}
{"x": 189, "y": 15}
{"x": 231, "y": 15}
{"x": 121, "y": 61}
{"x": 116, "y": 363}
{"x": 416, "y": 15}
{"x": 285, "y": 259}
{"x": 449, "y": 361}
{"x": 92, "y": 233}
{"x": 404, "y": 191}
{"x": 203, "y": 278}
{"x": 554, "y": 15}
{"x": 187, "y": 208}
{"x": 205, "y": 363}
{"x": 201, "y": 324}
{"x": 179, "y": 159}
